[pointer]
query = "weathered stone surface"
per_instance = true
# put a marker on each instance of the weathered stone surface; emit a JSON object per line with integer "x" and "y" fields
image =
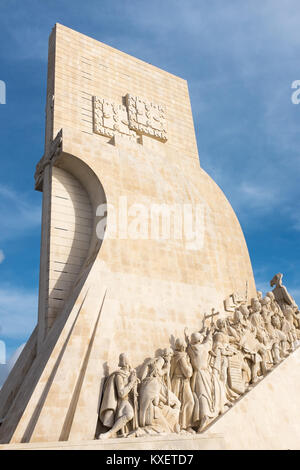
{"x": 169, "y": 442}
{"x": 186, "y": 388}
{"x": 268, "y": 416}
{"x": 135, "y": 291}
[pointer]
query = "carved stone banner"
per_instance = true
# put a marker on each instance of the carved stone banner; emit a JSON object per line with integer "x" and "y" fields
{"x": 235, "y": 377}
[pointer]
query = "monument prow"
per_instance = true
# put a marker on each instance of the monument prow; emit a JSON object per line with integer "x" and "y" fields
{"x": 137, "y": 243}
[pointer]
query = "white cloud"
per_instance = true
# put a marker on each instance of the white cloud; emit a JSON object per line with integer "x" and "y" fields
{"x": 294, "y": 215}
{"x": 257, "y": 196}
{"x": 2, "y": 257}
{"x": 18, "y": 312}
{"x": 215, "y": 45}
{"x": 18, "y": 317}
{"x": 18, "y": 213}
{"x": 263, "y": 286}
{"x": 295, "y": 293}
{"x": 262, "y": 278}
{"x": 6, "y": 368}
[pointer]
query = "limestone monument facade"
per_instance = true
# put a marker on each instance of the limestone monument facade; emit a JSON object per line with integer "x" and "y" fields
{"x": 149, "y": 324}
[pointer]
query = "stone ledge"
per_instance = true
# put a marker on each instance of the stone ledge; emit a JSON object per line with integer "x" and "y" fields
{"x": 165, "y": 442}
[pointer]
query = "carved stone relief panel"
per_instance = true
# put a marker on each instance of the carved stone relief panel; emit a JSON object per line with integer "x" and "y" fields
{"x": 139, "y": 116}
{"x": 110, "y": 118}
{"x": 146, "y": 117}
{"x": 184, "y": 389}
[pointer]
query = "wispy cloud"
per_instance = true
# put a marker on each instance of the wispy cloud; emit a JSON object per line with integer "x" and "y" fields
{"x": 248, "y": 130}
{"x": 296, "y": 294}
{"x": 257, "y": 196}
{"x": 18, "y": 312}
{"x": 18, "y": 212}
{"x": 6, "y": 368}
{"x": 239, "y": 58}
{"x": 2, "y": 257}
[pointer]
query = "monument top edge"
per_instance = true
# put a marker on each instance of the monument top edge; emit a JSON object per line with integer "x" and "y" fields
{"x": 107, "y": 46}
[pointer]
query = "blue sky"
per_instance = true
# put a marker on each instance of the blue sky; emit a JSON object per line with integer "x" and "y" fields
{"x": 240, "y": 59}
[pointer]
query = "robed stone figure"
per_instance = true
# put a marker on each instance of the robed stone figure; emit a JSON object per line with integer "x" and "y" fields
{"x": 181, "y": 373}
{"x": 116, "y": 410}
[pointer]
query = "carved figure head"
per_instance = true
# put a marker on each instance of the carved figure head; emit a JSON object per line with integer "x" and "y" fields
{"x": 256, "y": 305}
{"x": 259, "y": 294}
{"x": 196, "y": 338}
{"x": 156, "y": 366}
{"x": 244, "y": 310}
{"x": 179, "y": 345}
{"x": 221, "y": 323}
{"x": 123, "y": 361}
{"x": 167, "y": 352}
{"x": 270, "y": 295}
{"x": 277, "y": 280}
{"x": 238, "y": 316}
{"x": 266, "y": 301}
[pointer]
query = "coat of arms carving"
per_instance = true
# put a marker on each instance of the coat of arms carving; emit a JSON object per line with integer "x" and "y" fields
{"x": 110, "y": 118}
{"x": 138, "y": 117}
{"x": 146, "y": 117}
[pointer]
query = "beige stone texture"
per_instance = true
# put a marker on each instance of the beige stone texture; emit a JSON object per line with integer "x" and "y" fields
{"x": 169, "y": 442}
{"x": 122, "y": 295}
{"x": 162, "y": 286}
{"x": 268, "y": 416}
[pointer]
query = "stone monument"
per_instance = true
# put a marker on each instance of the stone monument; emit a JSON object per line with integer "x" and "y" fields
{"x": 138, "y": 243}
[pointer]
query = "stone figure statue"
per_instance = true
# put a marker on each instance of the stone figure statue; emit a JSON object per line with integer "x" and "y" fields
{"x": 282, "y": 297}
{"x": 236, "y": 329}
{"x": 180, "y": 374}
{"x": 277, "y": 323}
{"x": 277, "y": 337}
{"x": 150, "y": 390}
{"x": 258, "y": 321}
{"x": 288, "y": 327}
{"x": 287, "y": 304}
{"x": 274, "y": 304}
{"x": 227, "y": 369}
{"x": 159, "y": 407}
{"x": 254, "y": 352}
{"x": 199, "y": 346}
{"x": 116, "y": 409}
{"x": 259, "y": 295}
